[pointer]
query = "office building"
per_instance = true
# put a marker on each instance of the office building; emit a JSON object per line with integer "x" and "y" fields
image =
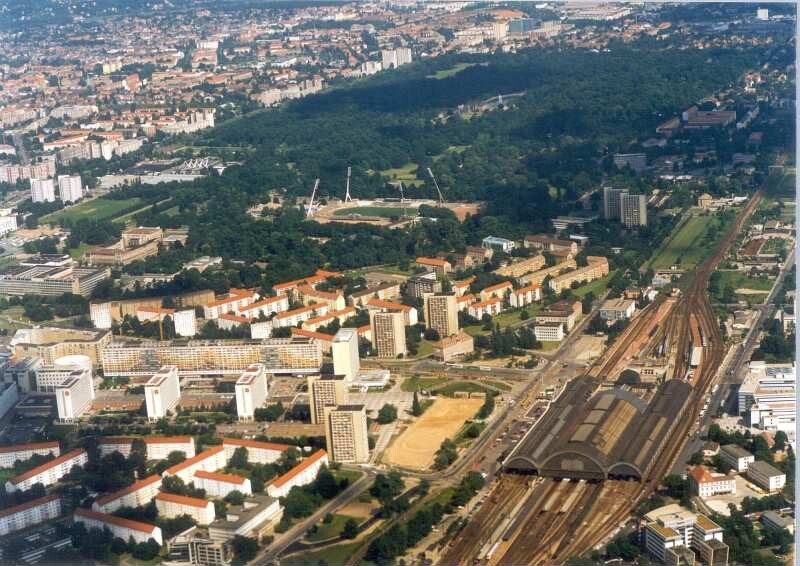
{"x": 766, "y": 476}
{"x": 48, "y": 377}
{"x": 74, "y": 396}
{"x": 633, "y": 210}
{"x": 674, "y": 535}
{"x": 441, "y": 314}
{"x": 325, "y": 391}
{"x": 612, "y": 203}
{"x": 23, "y": 452}
{"x": 706, "y": 483}
{"x": 774, "y": 520}
{"x": 254, "y": 517}
{"x": 120, "y": 528}
{"x": 498, "y": 244}
{"x": 344, "y": 349}
{"x": 220, "y": 485}
{"x": 388, "y": 334}
{"x": 162, "y": 393}
{"x": 185, "y": 323}
{"x": 170, "y": 505}
{"x": 49, "y": 472}
{"x": 549, "y": 331}
{"x": 42, "y": 190}
{"x": 209, "y": 460}
{"x": 767, "y": 396}
{"x": 736, "y": 457}
{"x": 51, "y": 281}
{"x": 302, "y": 474}
{"x": 137, "y": 494}
{"x": 29, "y": 513}
{"x": 346, "y": 435}
{"x": 455, "y": 346}
{"x": 296, "y": 355}
{"x": 251, "y": 392}
{"x": 70, "y": 188}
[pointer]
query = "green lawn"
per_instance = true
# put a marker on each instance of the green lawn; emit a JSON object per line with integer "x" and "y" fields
{"x": 499, "y": 385}
{"x": 406, "y": 173}
{"x": 351, "y": 475}
{"x": 329, "y": 530}
{"x": 416, "y": 382}
{"x": 597, "y": 287}
{"x": 461, "y": 386}
{"x": 454, "y": 70}
{"x": 739, "y": 280}
{"x": 96, "y": 209}
{"x": 77, "y": 253}
{"x": 381, "y": 211}
{"x": 687, "y": 247}
{"x": 332, "y": 555}
{"x": 425, "y": 349}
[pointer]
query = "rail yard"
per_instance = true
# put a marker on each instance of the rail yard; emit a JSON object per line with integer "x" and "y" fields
{"x": 602, "y": 447}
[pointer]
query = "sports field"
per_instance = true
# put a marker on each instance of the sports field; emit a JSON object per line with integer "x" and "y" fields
{"x": 415, "y": 448}
{"x": 381, "y": 211}
{"x": 96, "y": 209}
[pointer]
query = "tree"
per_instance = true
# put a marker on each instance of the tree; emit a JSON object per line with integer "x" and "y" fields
{"x": 386, "y": 487}
{"x": 244, "y": 549}
{"x": 487, "y": 407}
{"x": 235, "y": 497}
{"x": 387, "y": 414}
{"x": 445, "y": 455}
{"x": 416, "y": 407}
{"x": 239, "y": 459}
{"x": 696, "y": 459}
{"x": 350, "y": 529}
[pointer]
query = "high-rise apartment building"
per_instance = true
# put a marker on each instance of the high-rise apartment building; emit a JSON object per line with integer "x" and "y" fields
{"x": 393, "y": 58}
{"x": 325, "y": 391}
{"x": 74, "y": 395}
{"x": 612, "y": 207}
{"x": 42, "y": 190}
{"x": 388, "y": 333}
{"x": 251, "y": 392}
{"x": 441, "y": 313}
{"x": 346, "y": 433}
{"x": 633, "y": 210}
{"x": 185, "y": 323}
{"x": 344, "y": 349}
{"x": 162, "y": 392}
{"x": 70, "y": 188}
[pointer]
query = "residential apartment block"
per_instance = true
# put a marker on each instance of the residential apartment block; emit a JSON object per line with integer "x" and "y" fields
{"x": 170, "y": 505}
{"x": 302, "y": 474}
{"x": 388, "y": 333}
{"x": 220, "y": 485}
{"x": 137, "y": 494}
{"x": 251, "y": 392}
{"x": 120, "y": 528}
{"x": 208, "y": 460}
{"x": 29, "y": 513}
{"x": 258, "y": 452}
{"x": 162, "y": 393}
{"x": 23, "y": 452}
{"x": 49, "y": 472}
{"x": 346, "y": 435}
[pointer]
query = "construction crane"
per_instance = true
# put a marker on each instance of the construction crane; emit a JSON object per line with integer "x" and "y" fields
{"x": 310, "y": 211}
{"x": 441, "y": 197}
{"x": 347, "y": 197}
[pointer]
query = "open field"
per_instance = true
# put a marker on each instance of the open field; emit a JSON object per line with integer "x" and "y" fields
{"x": 597, "y": 287}
{"x": 96, "y": 209}
{"x": 329, "y": 530}
{"x": 416, "y": 382}
{"x": 454, "y": 70}
{"x": 461, "y": 387}
{"x": 751, "y": 289}
{"x": 406, "y": 173}
{"x": 380, "y": 211}
{"x": 333, "y": 555}
{"x": 687, "y": 247}
{"x": 415, "y": 448}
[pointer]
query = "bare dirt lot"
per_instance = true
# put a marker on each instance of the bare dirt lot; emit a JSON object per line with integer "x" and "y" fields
{"x": 415, "y": 448}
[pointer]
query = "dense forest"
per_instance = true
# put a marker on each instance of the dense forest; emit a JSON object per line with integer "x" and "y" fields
{"x": 529, "y": 161}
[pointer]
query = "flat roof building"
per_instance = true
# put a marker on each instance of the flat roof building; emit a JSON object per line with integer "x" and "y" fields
{"x": 344, "y": 350}
{"x": 74, "y": 395}
{"x": 325, "y": 390}
{"x": 766, "y": 476}
{"x": 388, "y": 333}
{"x": 346, "y": 435}
{"x": 256, "y": 515}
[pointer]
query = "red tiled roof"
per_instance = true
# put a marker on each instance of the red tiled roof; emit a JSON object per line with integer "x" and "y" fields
{"x": 308, "y": 462}
{"x": 194, "y": 459}
{"x": 497, "y": 287}
{"x": 28, "y": 505}
{"x": 391, "y": 305}
{"x": 255, "y": 444}
{"x": 432, "y": 261}
{"x": 167, "y": 439}
{"x": 111, "y": 519}
{"x": 486, "y": 303}
{"x": 310, "y": 334}
{"x": 115, "y": 440}
{"x": 136, "y": 486}
{"x": 182, "y": 499}
{"x": 47, "y": 465}
{"x": 30, "y": 446}
{"x": 227, "y": 478}
{"x": 288, "y": 314}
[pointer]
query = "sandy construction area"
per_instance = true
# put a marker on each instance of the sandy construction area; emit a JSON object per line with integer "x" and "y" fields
{"x": 416, "y": 446}
{"x": 744, "y": 291}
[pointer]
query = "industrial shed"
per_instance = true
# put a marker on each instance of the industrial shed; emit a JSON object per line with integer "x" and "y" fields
{"x": 596, "y": 435}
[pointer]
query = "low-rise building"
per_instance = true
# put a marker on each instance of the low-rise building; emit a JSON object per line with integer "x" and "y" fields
{"x": 774, "y": 520}
{"x": 597, "y": 267}
{"x": 49, "y": 472}
{"x": 549, "y": 331}
{"x": 159, "y": 447}
{"x": 23, "y": 452}
{"x": 208, "y": 460}
{"x": 706, "y": 483}
{"x": 455, "y": 346}
{"x": 383, "y": 291}
{"x": 120, "y": 528}
{"x": 171, "y": 505}
{"x": 29, "y": 513}
{"x": 525, "y": 296}
{"x": 491, "y": 307}
{"x": 220, "y": 485}
{"x": 439, "y": 266}
{"x": 258, "y": 452}
{"x": 521, "y": 267}
{"x": 766, "y": 476}
{"x": 736, "y": 457}
{"x": 255, "y": 516}
{"x": 617, "y": 309}
{"x": 137, "y": 494}
{"x": 562, "y": 312}
{"x": 498, "y": 290}
{"x": 302, "y": 474}
{"x": 498, "y": 244}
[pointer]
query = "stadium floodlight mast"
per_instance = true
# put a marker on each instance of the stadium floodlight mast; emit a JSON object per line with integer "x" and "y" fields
{"x": 347, "y": 197}
{"x": 441, "y": 197}
{"x": 310, "y": 211}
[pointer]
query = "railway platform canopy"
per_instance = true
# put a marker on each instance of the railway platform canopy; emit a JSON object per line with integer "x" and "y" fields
{"x": 596, "y": 434}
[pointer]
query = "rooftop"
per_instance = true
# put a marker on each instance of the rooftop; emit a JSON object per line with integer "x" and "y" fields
{"x": 308, "y": 462}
